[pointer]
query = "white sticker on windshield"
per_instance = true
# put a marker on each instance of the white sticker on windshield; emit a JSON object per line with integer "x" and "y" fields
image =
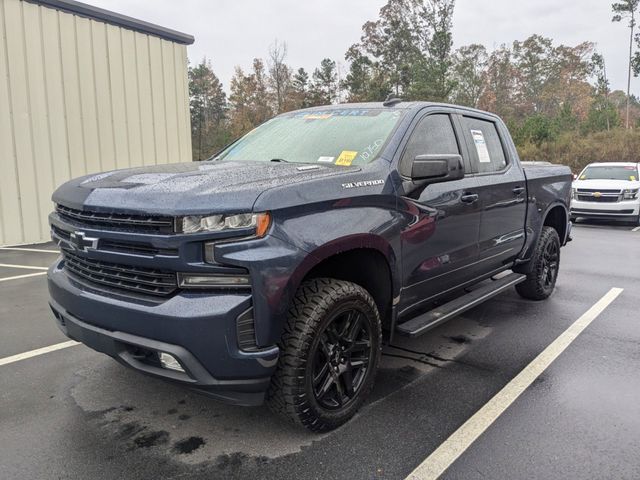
{"x": 326, "y": 159}
{"x": 481, "y": 146}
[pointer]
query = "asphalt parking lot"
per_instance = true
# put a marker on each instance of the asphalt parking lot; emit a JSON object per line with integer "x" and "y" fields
{"x": 73, "y": 413}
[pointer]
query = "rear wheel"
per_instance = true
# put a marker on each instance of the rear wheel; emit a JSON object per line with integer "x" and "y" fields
{"x": 541, "y": 281}
{"x": 329, "y": 354}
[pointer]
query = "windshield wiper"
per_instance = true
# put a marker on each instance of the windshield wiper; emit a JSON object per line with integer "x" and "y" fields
{"x": 279, "y": 160}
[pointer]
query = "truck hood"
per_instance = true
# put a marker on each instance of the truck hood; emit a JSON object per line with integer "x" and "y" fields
{"x": 606, "y": 184}
{"x": 187, "y": 188}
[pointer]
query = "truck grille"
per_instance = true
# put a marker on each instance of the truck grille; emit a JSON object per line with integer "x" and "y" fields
{"x": 599, "y": 196}
{"x": 588, "y": 198}
{"x": 137, "y": 248}
{"x": 117, "y": 221}
{"x": 125, "y": 277}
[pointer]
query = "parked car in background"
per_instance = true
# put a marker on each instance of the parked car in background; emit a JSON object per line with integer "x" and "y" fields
{"x": 607, "y": 191}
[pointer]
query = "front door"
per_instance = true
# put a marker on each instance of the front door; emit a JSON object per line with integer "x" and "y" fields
{"x": 440, "y": 241}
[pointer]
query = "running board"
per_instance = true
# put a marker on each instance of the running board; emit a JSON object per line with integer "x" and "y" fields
{"x": 431, "y": 319}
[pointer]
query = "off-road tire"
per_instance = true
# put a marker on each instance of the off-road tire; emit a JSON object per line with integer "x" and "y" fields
{"x": 316, "y": 304}
{"x": 537, "y": 285}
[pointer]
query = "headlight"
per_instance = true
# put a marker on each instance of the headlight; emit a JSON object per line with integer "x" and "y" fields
{"x": 573, "y": 193}
{"x": 630, "y": 194}
{"x": 216, "y": 223}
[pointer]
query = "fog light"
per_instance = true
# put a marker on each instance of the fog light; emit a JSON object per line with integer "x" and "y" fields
{"x": 199, "y": 280}
{"x": 170, "y": 362}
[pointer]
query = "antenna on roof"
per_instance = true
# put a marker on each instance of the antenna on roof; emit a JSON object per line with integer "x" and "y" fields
{"x": 390, "y": 101}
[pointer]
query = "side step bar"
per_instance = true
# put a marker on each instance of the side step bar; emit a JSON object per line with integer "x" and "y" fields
{"x": 431, "y": 319}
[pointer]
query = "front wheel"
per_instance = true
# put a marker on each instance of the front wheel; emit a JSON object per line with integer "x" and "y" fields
{"x": 541, "y": 281}
{"x": 329, "y": 354}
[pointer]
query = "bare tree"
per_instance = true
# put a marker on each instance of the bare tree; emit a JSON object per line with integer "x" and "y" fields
{"x": 279, "y": 74}
{"x": 627, "y": 9}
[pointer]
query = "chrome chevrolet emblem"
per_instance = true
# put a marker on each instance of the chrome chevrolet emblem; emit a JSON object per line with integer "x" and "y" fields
{"x": 79, "y": 242}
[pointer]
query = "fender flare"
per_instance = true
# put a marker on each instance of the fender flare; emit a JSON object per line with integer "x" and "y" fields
{"x": 567, "y": 216}
{"x": 522, "y": 264}
{"x": 346, "y": 244}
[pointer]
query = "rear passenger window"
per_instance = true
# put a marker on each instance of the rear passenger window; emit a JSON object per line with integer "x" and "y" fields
{"x": 488, "y": 155}
{"x": 434, "y": 135}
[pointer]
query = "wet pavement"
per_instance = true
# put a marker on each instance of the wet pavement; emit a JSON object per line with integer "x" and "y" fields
{"x": 75, "y": 413}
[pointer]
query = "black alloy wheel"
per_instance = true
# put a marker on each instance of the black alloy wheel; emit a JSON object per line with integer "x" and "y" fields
{"x": 543, "y": 268}
{"x": 329, "y": 354}
{"x": 341, "y": 359}
{"x": 551, "y": 263}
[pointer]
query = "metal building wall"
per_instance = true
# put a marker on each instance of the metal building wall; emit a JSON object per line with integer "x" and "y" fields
{"x": 80, "y": 96}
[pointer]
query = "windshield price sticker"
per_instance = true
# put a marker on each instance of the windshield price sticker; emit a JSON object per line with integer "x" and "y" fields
{"x": 326, "y": 159}
{"x": 346, "y": 158}
{"x": 481, "y": 146}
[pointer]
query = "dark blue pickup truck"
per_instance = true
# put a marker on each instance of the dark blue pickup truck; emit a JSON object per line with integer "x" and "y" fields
{"x": 276, "y": 270}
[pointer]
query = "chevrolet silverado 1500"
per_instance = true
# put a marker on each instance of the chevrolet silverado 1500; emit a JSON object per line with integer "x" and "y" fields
{"x": 276, "y": 270}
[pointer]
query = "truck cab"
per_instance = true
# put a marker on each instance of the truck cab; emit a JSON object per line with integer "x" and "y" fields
{"x": 276, "y": 270}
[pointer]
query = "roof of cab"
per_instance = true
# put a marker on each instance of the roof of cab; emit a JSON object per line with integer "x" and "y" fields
{"x": 402, "y": 105}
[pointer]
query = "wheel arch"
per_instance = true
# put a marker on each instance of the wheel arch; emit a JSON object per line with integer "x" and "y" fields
{"x": 557, "y": 217}
{"x": 367, "y": 260}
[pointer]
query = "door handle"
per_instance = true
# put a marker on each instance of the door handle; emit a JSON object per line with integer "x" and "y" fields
{"x": 469, "y": 198}
{"x": 518, "y": 190}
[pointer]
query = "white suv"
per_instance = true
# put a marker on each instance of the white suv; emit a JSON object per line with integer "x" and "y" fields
{"x": 608, "y": 191}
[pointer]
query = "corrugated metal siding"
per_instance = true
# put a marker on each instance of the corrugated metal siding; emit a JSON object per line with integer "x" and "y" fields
{"x": 79, "y": 96}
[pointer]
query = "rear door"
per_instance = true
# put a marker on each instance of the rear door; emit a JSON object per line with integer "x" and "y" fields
{"x": 501, "y": 186}
{"x": 440, "y": 240}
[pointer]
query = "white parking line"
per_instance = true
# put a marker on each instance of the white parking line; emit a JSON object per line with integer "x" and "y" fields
{"x": 28, "y": 267}
{"x": 37, "y": 250}
{"x": 449, "y": 451}
{"x": 35, "y": 353}
{"x": 6, "y": 279}
{"x": 637, "y": 229}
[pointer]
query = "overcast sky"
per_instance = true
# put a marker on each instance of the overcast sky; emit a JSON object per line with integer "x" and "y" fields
{"x": 233, "y": 32}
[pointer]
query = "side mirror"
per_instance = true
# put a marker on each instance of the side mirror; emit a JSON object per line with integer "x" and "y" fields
{"x": 437, "y": 168}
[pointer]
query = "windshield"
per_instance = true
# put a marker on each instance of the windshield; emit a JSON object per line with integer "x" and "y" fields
{"x": 352, "y": 136}
{"x": 610, "y": 173}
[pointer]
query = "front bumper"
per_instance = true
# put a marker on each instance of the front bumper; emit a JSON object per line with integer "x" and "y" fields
{"x": 627, "y": 210}
{"x": 198, "y": 329}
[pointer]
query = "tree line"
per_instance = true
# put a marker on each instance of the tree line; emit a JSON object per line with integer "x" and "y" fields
{"x": 552, "y": 96}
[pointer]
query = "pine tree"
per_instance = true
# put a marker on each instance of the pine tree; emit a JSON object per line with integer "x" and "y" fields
{"x": 324, "y": 87}
{"x": 208, "y": 106}
{"x": 300, "y": 89}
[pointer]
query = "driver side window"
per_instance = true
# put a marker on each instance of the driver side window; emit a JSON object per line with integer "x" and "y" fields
{"x": 434, "y": 135}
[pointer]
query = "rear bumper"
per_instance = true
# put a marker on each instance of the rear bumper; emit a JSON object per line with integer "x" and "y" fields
{"x": 199, "y": 330}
